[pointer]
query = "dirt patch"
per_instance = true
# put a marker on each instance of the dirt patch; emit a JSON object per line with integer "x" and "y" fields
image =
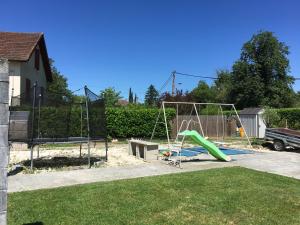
{"x": 69, "y": 157}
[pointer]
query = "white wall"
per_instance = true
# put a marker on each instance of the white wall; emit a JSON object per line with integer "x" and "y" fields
{"x": 14, "y": 78}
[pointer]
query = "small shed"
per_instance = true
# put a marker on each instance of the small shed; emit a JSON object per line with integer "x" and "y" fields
{"x": 253, "y": 122}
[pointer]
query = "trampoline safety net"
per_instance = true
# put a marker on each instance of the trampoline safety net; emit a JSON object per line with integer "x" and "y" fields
{"x": 57, "y": 118}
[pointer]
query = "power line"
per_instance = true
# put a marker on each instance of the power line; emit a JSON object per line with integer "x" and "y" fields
{"x": 192, "y": 75}
{"x": 165, "y": 83}
{"x": 77, "y": 90}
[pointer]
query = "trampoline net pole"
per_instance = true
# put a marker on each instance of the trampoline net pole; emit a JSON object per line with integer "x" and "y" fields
{"x": 32, "y": 125}
{"x": 88, "y": 126}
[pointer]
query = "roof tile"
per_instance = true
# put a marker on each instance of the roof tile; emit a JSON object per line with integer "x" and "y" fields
{"x": 18, "y": 46}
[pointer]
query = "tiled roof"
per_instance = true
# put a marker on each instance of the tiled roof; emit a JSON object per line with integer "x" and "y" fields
{"x": 18, "y": 46}
{"x": 123, "y": 102}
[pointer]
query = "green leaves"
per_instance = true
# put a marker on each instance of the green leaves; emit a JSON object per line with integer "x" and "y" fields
{"x": 57, "y": 90}
{"x": 282, "y": 117}
{"x": 136, "y": 121}
{"x": 130, "y": 96}
{"x": 203, "y": 93}
{"x": 261, "y": 77}
{"x": 151, "y": 96}
{"x": 110, "y": 96}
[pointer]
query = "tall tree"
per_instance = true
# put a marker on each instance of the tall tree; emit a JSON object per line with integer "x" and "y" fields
{"x": 151, "y": 96}
{"x": 130, "y": 96}
{"x": 135, "y": 99}
{"x": 110, "y": 96}
{"x": 222, "y": 86}
{"x": 203, "y": 93}
{"x": 248, "y": 89}
{"x": 57, "y": 90}
{"x": 263, "y": 67}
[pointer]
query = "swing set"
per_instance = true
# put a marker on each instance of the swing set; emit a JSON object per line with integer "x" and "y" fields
{"x": 210, "y": 120}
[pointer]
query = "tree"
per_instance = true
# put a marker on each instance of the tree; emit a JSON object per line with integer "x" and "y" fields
{"x": 203, "y": 93}
{"x": 179, "y": 96}
{"x": 223, "y": 86}
{"x": 260, "y": 76}
{"x": 135, "y": 99}
{"x": 130, "y": 96}
{"x": 248, "y": 89}
{"x": 57, "y": 90}
{"x": 151, "y": 96}
{"x": 110, "y": 96}
{"x": 297, "y": 99}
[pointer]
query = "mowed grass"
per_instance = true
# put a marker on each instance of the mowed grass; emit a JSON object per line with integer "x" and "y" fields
{"x": 218, "y": 196}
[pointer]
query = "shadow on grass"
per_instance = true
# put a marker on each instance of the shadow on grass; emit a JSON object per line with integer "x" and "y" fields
{"x": 59, "y": 162}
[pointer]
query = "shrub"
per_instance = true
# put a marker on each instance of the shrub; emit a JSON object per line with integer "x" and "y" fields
{"x": 271, "y": 117}
{"x": 121, "y": 122}
{"x": 282, "y": 117}
{"x": 291, "y": 116}
{"x": 136, "y": 121}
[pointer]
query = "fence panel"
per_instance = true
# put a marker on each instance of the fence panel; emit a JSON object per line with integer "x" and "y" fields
{"x": 212, "y": 125}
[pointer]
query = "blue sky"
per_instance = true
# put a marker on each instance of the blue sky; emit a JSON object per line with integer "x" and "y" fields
{"x": 137, "y": 43}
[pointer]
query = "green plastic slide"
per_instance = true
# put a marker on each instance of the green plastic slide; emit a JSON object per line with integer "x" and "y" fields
{"x": 209, "y": 146}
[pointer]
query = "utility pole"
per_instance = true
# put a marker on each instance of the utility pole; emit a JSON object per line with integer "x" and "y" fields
{"x": 173, "y": 82}
{"x": 4, "y": 114}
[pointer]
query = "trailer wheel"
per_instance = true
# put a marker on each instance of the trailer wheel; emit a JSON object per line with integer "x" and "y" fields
{"x": 278, "y": 145}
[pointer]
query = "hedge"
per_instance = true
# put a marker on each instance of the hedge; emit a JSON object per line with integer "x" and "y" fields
{"x": 136, "y": 122}
{"x": 122, "y": 122}
{"x": 291, "y": 116}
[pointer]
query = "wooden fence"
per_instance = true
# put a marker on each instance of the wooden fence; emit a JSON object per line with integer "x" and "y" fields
{"x": 212, "y": 125}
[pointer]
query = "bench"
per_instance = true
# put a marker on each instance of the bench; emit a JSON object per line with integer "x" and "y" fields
{"x": 143, "y": 149}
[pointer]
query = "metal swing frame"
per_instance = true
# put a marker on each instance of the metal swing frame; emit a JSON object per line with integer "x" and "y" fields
{"x": 194, "y": 107}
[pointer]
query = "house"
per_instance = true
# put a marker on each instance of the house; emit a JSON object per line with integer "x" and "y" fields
{"x": 28, "y": 63}
{"x": 253, "y": 122}
{"x": 123, "y": 102}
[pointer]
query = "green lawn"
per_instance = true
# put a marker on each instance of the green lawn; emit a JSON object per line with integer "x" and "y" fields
{"x": 218, "y": 196}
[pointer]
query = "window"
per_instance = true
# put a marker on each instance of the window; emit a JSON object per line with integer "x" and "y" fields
{"x": 37, "y": 59}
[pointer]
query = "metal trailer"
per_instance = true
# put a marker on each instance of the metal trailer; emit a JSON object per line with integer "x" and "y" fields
{"x": 282, "y": 138}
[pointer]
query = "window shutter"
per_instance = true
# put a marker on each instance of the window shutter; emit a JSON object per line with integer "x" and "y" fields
{"x": 28, "y": 90}
{"x": 37, "y": 59}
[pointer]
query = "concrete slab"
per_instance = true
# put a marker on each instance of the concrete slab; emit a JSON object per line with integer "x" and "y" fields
{"x": 282, "y": 163}
{"x": 26, "y": 182}
{"x": 3, "y": 217}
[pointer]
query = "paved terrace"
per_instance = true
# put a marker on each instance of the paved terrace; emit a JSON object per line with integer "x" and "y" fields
{"x": 282, "y": 163}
